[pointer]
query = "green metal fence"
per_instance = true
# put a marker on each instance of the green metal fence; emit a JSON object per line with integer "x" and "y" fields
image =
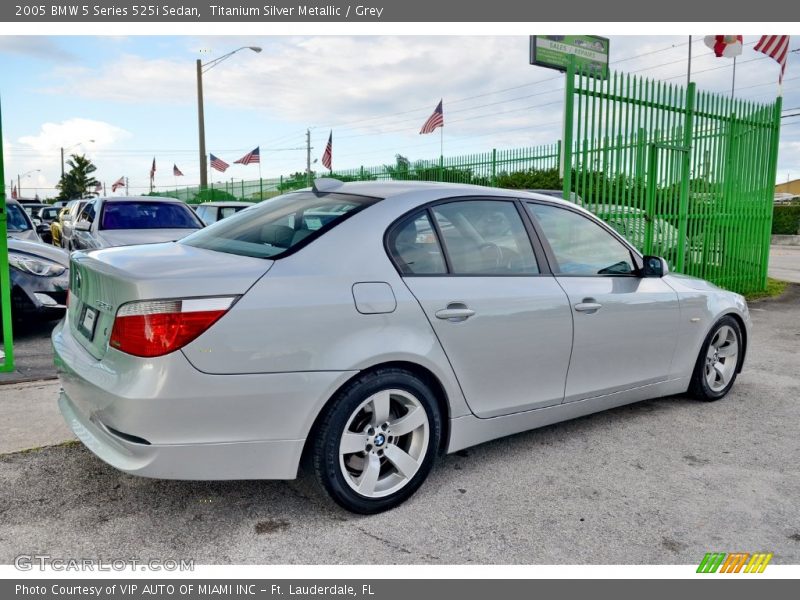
{"x": 7, "y": 358}
{"x": 503, "y": 168}
{"x": 683, "y": 174}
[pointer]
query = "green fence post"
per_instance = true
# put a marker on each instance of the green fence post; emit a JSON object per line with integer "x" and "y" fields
{"x": 569, "y": 107}
{"x": 7, "y": 364}
{"x": 773, "y": 172}
{"x": 686, "y": 167}
{"x": 494, "y": 167}
{"x": 260, "y": 189}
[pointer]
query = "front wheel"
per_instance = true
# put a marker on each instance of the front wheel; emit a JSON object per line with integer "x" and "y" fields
{"x": 718, "y": 362}
{"x": 377, "y": 441}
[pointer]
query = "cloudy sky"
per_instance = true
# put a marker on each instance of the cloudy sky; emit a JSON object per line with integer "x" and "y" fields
{"x": 136, "y": 98}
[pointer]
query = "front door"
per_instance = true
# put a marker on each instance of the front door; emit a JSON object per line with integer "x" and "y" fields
{"x": 625, "y": 326}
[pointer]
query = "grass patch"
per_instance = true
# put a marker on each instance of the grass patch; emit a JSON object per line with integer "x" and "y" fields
{"x": 775, "y": 287}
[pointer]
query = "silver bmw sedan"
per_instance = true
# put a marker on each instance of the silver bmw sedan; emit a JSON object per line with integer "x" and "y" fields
{"x": 371, "y": 327}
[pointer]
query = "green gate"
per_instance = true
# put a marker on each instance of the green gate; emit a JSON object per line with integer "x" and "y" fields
{"x": 7, "y": 351}
{"x": 682, "y": 174}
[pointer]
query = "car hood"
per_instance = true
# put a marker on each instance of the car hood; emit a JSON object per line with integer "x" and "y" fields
{"x": 131, "y": 237}
{"x": 28, "y": 234}
{"x": 39, "y": 250}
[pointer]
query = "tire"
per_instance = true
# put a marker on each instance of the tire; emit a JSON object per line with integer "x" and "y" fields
{"x": 718, "y": 362}
{"x": 359, "y": 470}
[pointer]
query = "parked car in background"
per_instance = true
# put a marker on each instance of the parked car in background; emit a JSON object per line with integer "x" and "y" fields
{"x": 32, "y": 208}
{"x": 55, "y": 226}
{"x": 371, "y": 326}
{"x": 67, "y": 219}
{"x": 211, "y": 212}
{"x": 108, "y": 222}
{"x": 39, "y": 280}
{"x": 60, "y": 203}
{"x": 47, "y": 215}
{"x": 19, "y": 224}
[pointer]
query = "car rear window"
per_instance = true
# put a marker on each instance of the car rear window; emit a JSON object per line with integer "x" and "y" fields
{"x": 278, "y": 226}
{"x": 148, "y": 215}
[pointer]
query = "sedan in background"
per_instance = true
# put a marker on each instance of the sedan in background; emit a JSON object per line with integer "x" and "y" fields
{"x": 370, "y": 327}
{"x": 66, "y": 219}
{"x": 47, "y": 215}
{"x": 19, "y": 224}
{"x": 109, "y": 222}
{"x": 211, "y": 212}
{"x": 39, "y": 280}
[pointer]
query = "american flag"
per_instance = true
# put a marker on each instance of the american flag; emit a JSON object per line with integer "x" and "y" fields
{"x": 327, "y": 156}
{"x": 218, "y": 164}
{"x": 153, "y": 169}
{"x": 118, "y": 184}
{"x": 98, "y": 188}
{"x": 777, "y": 48}
{"x": 176, "y": 171}
{"x": 434, "y": 121}
{"x": 254, "y": 156}
{"x": 13, "y": 192}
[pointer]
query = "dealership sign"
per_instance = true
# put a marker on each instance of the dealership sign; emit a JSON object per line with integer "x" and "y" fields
{"x": 555, "y": 52}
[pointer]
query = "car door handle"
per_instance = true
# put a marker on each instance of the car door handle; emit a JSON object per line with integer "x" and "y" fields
{"x": 455, "y": 313}
{"x": 588, "y": 307}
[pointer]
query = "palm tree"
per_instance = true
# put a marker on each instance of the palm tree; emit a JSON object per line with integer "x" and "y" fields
{"x": 78, "y": 181}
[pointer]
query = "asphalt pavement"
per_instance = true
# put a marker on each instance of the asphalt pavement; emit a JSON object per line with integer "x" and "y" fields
{"x": 784, "y": 263}
{"x": 660, "y": 482}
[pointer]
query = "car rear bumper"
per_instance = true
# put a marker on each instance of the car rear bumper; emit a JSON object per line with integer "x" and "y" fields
{"x": 162, "y": 418}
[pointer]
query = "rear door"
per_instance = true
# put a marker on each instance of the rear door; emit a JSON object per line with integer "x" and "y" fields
{"x": 626, "y": 326}
{"x": 502, "y": 320}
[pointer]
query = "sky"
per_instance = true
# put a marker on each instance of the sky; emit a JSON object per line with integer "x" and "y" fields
{"x": 135, "y": 97}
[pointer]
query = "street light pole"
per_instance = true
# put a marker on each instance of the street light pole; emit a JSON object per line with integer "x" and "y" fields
{"x": 19, "y": 180}
{"x": 201, "y": 126}
{"x": 68, "y": 149}
{"x": 201, "y": 123}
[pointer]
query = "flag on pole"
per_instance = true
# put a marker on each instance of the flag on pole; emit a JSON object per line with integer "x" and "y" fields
{"x": 724, "y": 46}
{"x": 434, "y": 121}
{"x": 254, "y": 156}
{"x": 153, "y": 170}
{"x": 218, "y": 164}
{"x": 13, "y": 192}
{"x": 118, "y": 184}
{"x": 777, "y": 48}
{"x": 327, "y": 156}
{"x": 176, "y": 171}
{"x": 98, "y": 188}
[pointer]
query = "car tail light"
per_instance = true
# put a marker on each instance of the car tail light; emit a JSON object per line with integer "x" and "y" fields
{"x": 157, "y": 327}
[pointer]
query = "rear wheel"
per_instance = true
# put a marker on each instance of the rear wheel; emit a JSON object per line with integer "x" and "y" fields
{"x": 377, "y": 441}
{"x": 718, "y": 362}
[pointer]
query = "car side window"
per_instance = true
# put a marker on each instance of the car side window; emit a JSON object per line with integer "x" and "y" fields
{"x": 581, "y": 247}
{"x": 227, "y": 211}
{"x": 485, "y": 237}
{"x": 88, "y": 213}
{"x": 415, "y": 248}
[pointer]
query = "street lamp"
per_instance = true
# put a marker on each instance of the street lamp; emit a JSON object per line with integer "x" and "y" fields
{"x": 19, "y": 180}
{"x": 67, "y": 150}
{"x": 202, "y": 68}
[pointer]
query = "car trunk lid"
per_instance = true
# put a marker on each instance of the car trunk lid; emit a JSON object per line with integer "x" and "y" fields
{"x": 103, "y": 280}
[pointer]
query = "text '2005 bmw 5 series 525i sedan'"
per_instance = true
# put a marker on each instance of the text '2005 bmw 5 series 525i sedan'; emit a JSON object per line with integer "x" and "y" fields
{"x": 370, "y": 327}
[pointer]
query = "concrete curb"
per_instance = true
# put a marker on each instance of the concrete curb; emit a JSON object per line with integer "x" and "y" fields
{"x": 30, "y": 416}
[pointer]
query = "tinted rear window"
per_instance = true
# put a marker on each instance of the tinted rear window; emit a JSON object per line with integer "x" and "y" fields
{"x": 148, "y": 215}
{"x": 277, "y": 226}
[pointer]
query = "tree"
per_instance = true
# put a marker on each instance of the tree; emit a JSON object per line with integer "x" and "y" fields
{"x": 78, "y": 181}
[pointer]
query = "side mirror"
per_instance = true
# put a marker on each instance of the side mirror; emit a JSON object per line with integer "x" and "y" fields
{"x": 42, "y": 228}
{"x": 83, "y": 226}
{"x": 655, "y": 266}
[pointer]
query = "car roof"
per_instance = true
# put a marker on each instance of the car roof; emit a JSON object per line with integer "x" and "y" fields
{"x": 224, "y": 204}
{"x": 141, "y": 199}
{"x": 390, "y": 189}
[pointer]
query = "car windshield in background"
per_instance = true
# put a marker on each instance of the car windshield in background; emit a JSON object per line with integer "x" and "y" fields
{"x": 16, "y": 218}
{"x": 275, "y": 226}
{"x": 148, "y": 215}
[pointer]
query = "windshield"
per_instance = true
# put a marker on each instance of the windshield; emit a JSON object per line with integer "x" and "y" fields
{"x": 276, "y": 226}
{"x": 17, "y": 221}
{"x": 148, "y": 215}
